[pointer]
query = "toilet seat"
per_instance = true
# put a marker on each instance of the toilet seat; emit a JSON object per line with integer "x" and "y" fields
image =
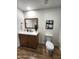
{"x": 49, "y": 45}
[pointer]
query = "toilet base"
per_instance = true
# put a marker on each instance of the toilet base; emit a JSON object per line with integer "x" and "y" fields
{"x": 49, "y": 52}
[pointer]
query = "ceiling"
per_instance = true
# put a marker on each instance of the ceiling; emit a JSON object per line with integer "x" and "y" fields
{"x": 26, "y": 5}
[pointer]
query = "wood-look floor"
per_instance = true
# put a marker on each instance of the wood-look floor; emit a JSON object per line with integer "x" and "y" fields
{"x": 39, "y": 53}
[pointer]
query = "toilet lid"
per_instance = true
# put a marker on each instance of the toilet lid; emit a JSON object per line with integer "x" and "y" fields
{"x": 49, "y": 45}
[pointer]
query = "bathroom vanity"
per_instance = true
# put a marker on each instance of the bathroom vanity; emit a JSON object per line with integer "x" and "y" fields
{"x": 28, "y": 39}
{"x": 29, "y": 36}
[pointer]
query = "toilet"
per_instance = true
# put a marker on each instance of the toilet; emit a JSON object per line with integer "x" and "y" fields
{"x": 49, "y": 47}
{"x": 49, "y": 44}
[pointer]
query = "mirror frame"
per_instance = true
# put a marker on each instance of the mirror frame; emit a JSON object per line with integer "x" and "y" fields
{"x": 30, "y": 19}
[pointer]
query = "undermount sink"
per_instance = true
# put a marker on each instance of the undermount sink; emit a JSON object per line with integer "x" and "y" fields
{"x": 29, "y": 33}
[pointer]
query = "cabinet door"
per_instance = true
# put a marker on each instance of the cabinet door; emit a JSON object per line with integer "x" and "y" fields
{"x": 23, "y": 40}
{"x": 29, "y": 41}
{"x": 33, "y": 41}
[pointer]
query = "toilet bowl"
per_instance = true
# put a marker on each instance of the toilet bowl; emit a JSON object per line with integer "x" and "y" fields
{"x": 49, "y": 47}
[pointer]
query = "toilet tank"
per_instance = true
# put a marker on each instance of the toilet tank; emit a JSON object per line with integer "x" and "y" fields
{"x": 48, "y": 38}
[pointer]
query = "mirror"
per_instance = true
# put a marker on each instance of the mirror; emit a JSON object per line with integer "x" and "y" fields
{"x": 31, "y": 23}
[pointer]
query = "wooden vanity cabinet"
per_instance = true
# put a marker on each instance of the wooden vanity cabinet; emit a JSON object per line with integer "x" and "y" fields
{"x": 29, "y": 41}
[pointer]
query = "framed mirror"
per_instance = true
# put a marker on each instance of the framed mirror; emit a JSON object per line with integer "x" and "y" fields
{"x": 31, "y": 23}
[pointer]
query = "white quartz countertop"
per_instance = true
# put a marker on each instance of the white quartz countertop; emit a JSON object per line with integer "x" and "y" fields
{"x": 28, "y": 33}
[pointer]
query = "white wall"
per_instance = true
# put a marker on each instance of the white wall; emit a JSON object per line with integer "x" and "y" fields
{"x": 43, "y": 15}
{"x": 20, "y": 18}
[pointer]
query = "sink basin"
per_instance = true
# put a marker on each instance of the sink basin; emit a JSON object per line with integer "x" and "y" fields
{"x": 28, "y": 33}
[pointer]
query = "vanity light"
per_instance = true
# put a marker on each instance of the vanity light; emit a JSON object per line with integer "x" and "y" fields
{"x": 31, "y": 14}
{"x": 28, "y": 8}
